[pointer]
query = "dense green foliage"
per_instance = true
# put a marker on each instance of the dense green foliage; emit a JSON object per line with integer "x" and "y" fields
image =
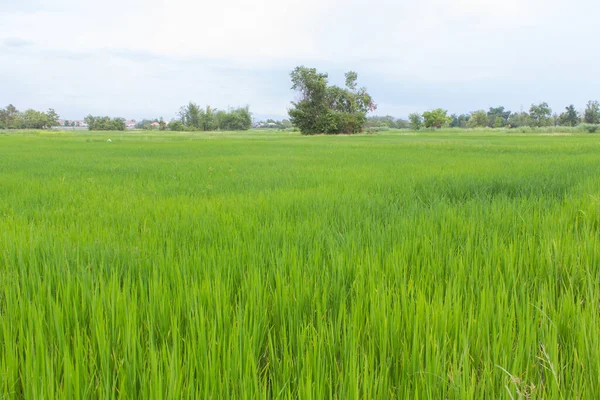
{"x": 386, "y": 121}
{"x": 437, "y": 118}
{"x": 11, "y": 118}
{"x": 539, "y": 116}
{"x": 105, "y": 123}
{"x": 415, "y": 121}
{"x": 592, "y": 113}
{"x": 450, "y": 265}
{"x": 195, "y": 118}
{"x": 570, "y": 117}
{"x": 328, "y": 109}
{"x": 176, "y": 126}
{"x": 478, "y": 119}
{"x": 460, "y": 121}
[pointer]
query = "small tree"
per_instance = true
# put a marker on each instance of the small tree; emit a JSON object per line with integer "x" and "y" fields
{"x": 437, "y": 118}
{"x": 51, "y": 118}
{"x": 499, "y": 123}
{"x": 497, "y": 117}
{"x": 570, "y": 117}
{"x": 478, "y": 119}
{"x": 539, "y": 115}
{"x": 104, "y": 123}
{"x": 518, "y": 119}
{"x": 592, "y": 112}
{"x": 176, "y": 125}
{"x": 10, "y": 117}
{"x": 416, "y": 121}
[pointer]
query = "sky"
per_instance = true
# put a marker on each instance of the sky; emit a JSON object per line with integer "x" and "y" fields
{"x": 146, "y": 58}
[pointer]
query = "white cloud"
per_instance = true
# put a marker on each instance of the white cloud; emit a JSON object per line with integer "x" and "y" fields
{"x": 237, "y": 52}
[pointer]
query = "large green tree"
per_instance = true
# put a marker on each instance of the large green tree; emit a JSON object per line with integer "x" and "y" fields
{"x": 51, "y": 118}
{"x": 478, "y": 119}
{"x": 518, "y": 119}
{"x": 540, "y": 114}
{"x": 437, "y": 118}
{"x": 238, "y": 119}
{"x": 570, "y": 117}
{"x": 193, "y": 117}
{"x": 328, "y": 109}
{"x": 9, "y": 117}
{"x": 592, "y": 112}
{"x": 497, "y": 117}
{"x": 104, "y": 123}
{"x": 460, "y": 121}
{"x": 415, "y": 120}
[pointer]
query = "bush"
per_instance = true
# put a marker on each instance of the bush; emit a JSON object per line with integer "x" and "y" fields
{"x": 176, "y": 126}
{"x": 589, "y": 128}
{"x": 105, "y": 123}
{"x": 382, "y": 128}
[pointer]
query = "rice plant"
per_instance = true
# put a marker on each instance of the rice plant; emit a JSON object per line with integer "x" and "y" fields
{"x": 270, "y": 265}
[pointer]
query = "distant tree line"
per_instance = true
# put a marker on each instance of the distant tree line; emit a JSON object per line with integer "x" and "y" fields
{"x": 104, "y": 123}
{"x": 322, "y": 108}
{"x": 195, "y": 118}
{"x": 386, "y": 122}
{"x": 539, "y": 115}
{"x": 11, "y": 118}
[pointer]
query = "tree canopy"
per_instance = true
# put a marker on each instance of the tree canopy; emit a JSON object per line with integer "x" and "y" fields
{"x": 193, "y": 117}
{"x": 478, "y": 119}
{"x": 592, "y": 113}
{"x": 11, "y": 118}
{"x": 570, "y": 117}
{"x": 539, "y": 114}
{"x": 437, "y": 118}
{"x": 328, "y": 109}
{"x": 104, "y": 123}
{"x": 416, "y": 120}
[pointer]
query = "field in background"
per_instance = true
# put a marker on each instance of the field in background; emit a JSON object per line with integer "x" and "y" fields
{"x": 260, "y": 265}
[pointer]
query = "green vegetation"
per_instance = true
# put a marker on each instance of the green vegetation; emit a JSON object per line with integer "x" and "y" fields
{"x": 416, "y": 121}
{"x": 195, "y": 118}
{"x": 437, "y": 118}
{"x": 104, "y": 123}
{"x": 592, "y": 113}
{"x": 570, "y": 117}
{"x": 389, "y": 122}
{"x": 11, "y": 118}
{"x": 269, "y": 265}
{"x": 328, "y": 109}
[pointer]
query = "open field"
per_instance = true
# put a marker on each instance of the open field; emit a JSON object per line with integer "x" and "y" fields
{"x": 270, "y": 265}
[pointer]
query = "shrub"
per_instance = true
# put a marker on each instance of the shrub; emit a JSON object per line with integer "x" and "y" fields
{"x": 176, "y": 126}
{"x": 589, "y": 128}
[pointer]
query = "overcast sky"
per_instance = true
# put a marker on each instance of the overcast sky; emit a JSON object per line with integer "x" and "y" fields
{"x": 146, "y": 58}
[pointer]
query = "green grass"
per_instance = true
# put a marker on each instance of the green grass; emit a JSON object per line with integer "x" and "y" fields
{"x": 269, "y": 265}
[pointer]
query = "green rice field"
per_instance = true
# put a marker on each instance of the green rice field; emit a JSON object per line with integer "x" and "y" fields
{"x": 448, "y": 265}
